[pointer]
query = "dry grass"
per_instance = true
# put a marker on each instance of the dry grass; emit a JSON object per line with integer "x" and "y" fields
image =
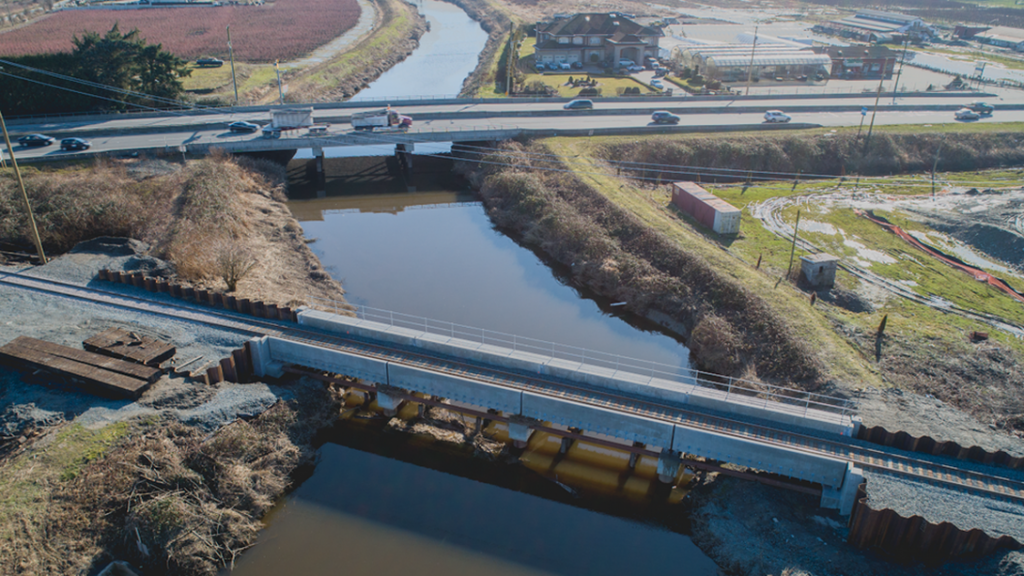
{"x": 619, "y": 256}
{"x": 161, "y": 495}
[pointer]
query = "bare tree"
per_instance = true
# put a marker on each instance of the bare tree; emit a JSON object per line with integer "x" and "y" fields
{"x": 234, "y": 262}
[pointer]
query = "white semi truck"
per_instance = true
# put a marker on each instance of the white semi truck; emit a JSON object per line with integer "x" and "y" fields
{"x": 381, "y": 120}
{"x": 291, "y": 119}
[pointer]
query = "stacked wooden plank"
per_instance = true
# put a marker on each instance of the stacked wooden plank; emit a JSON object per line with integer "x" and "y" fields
{"x": 128, "y": 345}
{"x": 94, "y": 373}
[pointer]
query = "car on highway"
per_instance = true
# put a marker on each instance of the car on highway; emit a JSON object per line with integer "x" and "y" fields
{"x": 981, "y": 107}
{"x": 209, "y": 62}
{"x": 579, "y": 104}
{"x": 243, "y": 126}
{"x": 75, "y": 144}
{"x": 776, "y": 116}
{"x": 36, "y": 140}
{"x": 664, "y": 117}
{"x": 966, "y": 114}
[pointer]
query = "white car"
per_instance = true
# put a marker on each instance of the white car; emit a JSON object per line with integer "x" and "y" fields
{"x": 776, "y": 116}
{"x": 565, "y": 65}
{"x": 966, "y": 114}
{"x": 626, "y": 63}
{"x": 657, "y": 84}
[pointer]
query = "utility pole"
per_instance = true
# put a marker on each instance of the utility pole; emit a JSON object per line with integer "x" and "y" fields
{"x": 792, "y": 251}
{"x": 231, "y": 56}
{"x": 903, "y": 58}
{"x": 24, "y": 194}
{"x": 510, "y": 61}
{"x": 875, "y": 111}
{"x": 280, "y": 91}
{"x": 750, "y": 70}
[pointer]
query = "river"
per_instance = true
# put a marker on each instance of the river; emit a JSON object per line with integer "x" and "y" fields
{"x": 388, "y": 504}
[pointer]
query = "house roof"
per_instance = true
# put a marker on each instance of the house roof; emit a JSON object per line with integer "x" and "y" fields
{"x": 857, "y": 52}
{"x": 887, "y": 16}
{"x": 596, "y": 24}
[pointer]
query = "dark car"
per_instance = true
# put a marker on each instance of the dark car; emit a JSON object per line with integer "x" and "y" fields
{"x": 36, "y": 140}
{"x": 664, "y": 117}
{"x": 242, "y": 126}
{"x": 981, "y": 107}
{"x": 74, "y": 144}
{"x": 209, "y": 62}
{"x": 579, "y": 105}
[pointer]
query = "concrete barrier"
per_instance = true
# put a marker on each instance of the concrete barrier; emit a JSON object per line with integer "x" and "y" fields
{"x": 782, "y": 461}
{"x": 464, "y": 390}
{"x": 595, "y": 377}
{"x": 599, "y": 420}
{"x": 336, "y": 361}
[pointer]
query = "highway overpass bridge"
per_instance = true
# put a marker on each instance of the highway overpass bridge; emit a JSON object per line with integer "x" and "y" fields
{"x": 463, "y": 120}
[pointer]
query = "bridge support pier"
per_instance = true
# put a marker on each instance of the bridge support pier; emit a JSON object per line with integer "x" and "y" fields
{"x": 844, "y": 497}
{"x": 519, "y": 430}
{"x": 633, "y": 456}
{"x": 318, "y": 154}
{"x": 668, "y": 465}
{"x": 262, "y": 362}
{"x": 389, "y": 399}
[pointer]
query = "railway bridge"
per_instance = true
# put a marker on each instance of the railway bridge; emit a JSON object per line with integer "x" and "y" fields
{"x": 806, "y": 442}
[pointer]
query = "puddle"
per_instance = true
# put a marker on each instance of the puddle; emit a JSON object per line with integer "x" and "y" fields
{"x": 818, "y": 227}
{"x": 867, "y": 255}
{"x": 961, "y": 251}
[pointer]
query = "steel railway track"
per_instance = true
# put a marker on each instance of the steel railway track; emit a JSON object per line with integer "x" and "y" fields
{"x": 940, "y": 471}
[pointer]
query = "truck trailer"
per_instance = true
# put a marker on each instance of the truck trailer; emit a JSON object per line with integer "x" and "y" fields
{"x": 288, "y": 119}
{"x": 381, "y": 120}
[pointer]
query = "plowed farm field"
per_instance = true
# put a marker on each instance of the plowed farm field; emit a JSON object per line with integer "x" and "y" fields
{"x": 285, "y": 29}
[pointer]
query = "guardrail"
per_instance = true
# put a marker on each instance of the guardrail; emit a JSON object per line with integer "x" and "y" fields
{"x": 686, "y": 379}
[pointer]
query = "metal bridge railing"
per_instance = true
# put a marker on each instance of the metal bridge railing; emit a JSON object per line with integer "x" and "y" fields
{"x": 685, "y": 379}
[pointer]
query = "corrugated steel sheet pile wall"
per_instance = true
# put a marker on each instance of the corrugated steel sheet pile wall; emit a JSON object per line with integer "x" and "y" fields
{"x": 927, "y": 445}
{"x": 706, "y": 208}
{"x": 916, "y": 538}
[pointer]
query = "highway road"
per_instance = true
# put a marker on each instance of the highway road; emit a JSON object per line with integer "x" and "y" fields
{"x": 132, "y": 133}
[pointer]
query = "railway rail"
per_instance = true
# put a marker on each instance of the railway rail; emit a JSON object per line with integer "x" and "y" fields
{"x": 957, "y": 475}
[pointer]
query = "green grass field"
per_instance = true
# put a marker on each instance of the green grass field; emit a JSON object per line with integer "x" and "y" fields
{"x": 609, "y": 85}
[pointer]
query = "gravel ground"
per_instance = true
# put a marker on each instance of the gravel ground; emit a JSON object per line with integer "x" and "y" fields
{"x": 966, "y": 511}
{"x": 69, "y": 322}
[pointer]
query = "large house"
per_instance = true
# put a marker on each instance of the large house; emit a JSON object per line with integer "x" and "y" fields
{"x": 593, "y": 38}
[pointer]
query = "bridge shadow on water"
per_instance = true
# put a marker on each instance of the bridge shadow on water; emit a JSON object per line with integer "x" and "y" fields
{"x": 357, "y": 176}
{"x": 466, "y": 514}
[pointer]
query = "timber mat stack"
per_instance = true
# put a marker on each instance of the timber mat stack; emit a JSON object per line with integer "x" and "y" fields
{"x": 234, "y": 368}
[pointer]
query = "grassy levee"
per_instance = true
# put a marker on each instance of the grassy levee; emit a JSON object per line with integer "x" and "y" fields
{"x": 395, "y": 37}
{"x": 925, "y": 348}
{"x": 495, "y": 20}
{"x": 575, "y": 219}
{"x": 624, "y": 238}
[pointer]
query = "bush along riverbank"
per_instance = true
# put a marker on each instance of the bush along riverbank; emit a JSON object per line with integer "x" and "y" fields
{"x": 728, "y": 328}
{"x": 496, "y": 23}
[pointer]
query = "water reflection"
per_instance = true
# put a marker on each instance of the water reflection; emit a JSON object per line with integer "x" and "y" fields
{"x": 366, "y": 512}
{"x": 449, "y": 263}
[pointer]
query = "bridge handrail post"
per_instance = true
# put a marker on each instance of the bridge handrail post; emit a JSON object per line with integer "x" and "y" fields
{"x": 728, "y": 390}
{"x": 807, "y": 405}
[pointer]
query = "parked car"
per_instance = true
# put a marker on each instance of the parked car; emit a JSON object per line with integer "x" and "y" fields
{"x": 209, "y": 62}
{"x": 579, "y": 104}
{"x": 624, "y": 63}
{"x": 36, "y": 140}
{"x": 981, "y": 107}
{"x": 776, "y": 116}
{"x": 243, "y": 126}
{"x": 660, "y": 72}
{"x": 664, "y": 117}
{"x": 565, "y": 65}
{"x": 966, "y": 114}
{"x": 540, "y": 66}
{"x": 577, "y": 64}
{"x": 657, "y": 84}
{"x": 75, "y": 144}
{"x": 635, "y": 68}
